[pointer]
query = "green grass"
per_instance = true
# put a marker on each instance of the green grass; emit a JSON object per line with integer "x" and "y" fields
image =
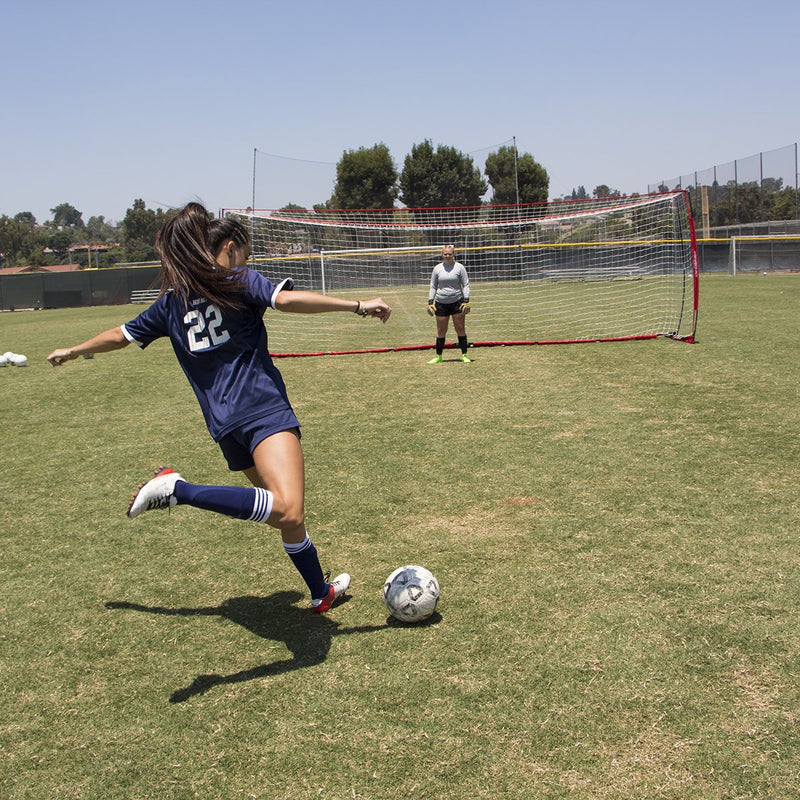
{"x": 614, "y": 527}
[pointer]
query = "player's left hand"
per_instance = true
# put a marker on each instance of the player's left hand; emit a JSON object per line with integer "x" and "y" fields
{"x": 464, "y": 309}
{"x": 377, "y": 308}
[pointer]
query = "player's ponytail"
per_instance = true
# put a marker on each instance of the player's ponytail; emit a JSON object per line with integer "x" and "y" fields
{"x": 188, "y": 244}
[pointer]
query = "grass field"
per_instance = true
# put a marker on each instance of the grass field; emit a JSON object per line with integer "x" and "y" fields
{"x": 614, "y": 527}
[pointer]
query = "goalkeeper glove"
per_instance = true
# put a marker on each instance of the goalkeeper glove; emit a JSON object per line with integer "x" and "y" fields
{"x": 431, "y": 309}
{"x": 464, "y": 309}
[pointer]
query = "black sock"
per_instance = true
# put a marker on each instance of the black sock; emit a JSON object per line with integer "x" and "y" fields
{"x": 462, "y": 343}
{"x": 439, "y": 345}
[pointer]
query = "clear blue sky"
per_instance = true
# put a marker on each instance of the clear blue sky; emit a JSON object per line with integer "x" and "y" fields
{"x": 103, "y": 103}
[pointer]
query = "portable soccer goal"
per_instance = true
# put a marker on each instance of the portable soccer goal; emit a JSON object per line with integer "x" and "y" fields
{"x": 609, "y": 269}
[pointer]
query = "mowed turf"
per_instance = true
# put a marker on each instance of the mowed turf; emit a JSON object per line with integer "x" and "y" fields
{"x": 614, "y": 528}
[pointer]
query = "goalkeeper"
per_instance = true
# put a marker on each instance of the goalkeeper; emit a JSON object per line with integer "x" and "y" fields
{"x": 449, "y": 297}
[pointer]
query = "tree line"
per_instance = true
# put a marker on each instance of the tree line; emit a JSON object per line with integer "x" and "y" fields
{"x": 67, "y": 239}
{"x": 438, "y": 177}
{"x": 431, "y": 177}
{"x": 744, "y": 203}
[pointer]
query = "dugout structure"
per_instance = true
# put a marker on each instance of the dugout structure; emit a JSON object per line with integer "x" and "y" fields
{"x": 607, "y": 269}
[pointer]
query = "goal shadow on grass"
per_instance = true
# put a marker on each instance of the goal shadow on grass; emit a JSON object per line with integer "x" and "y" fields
{"x": 307, "y": 636}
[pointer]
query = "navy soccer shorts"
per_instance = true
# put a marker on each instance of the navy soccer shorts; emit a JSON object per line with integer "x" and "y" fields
{"x": 238, "y": 445}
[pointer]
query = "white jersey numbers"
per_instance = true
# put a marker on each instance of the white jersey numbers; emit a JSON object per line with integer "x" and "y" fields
{"x": 205, "y": 328}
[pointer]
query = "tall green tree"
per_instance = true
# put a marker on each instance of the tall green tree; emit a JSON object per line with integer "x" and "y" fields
{"x": 365, "y": 178}
{"x": 507, "y": 171}
{"x": 735, "y": 204}
{"x": 785, "y": 204}
{"x": 440, "y": 178}
{"x": 604, "y": 190}
{"x": 59, "y": 243}
{"x": 10, "y": 241}
{"x": 99, "y": 231}
{"x": 139, "y": 229}
{"x": 67, "y": 216}
{"x": 22, "y": 242}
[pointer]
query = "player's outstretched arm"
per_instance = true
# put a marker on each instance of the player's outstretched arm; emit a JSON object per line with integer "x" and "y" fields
{"x": 301, "y": 302}
{"x": 112, "y": 339}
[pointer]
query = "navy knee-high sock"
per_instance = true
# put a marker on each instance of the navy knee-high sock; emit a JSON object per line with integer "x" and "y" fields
{"x": 234, "y": 501}
{"x": 304, "y": 557}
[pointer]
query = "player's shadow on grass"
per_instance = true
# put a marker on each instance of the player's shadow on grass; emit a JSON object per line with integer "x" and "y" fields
{"x": 306, "y": 635}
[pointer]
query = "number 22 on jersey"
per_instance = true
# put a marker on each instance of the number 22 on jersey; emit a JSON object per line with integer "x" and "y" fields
{"x": 205, "y": 328}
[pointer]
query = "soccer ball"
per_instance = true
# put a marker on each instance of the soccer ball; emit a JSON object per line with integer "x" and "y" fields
{"x": 411, "y": 593}
{"x": 15, "y": 359}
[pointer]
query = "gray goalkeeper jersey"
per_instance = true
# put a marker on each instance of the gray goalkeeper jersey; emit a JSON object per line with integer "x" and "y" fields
{"x": 449, "y": 284}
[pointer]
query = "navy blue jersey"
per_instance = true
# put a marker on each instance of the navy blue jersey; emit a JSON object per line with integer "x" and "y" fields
{"x": 222, "y": 351}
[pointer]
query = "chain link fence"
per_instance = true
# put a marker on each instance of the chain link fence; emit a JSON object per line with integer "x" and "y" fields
{"x": 753, "y": 196}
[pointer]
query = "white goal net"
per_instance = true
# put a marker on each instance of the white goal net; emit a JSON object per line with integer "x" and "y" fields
{"x": 565, "y": 271}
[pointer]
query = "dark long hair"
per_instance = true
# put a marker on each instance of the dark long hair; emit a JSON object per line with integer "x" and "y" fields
{"x": 188, "y": 245}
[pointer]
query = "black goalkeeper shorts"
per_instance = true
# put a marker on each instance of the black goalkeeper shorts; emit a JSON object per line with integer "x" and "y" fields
{"x": 447, "y": 309}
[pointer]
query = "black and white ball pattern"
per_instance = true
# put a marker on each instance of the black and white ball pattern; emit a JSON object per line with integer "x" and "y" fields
{"x": 411, "y": 593}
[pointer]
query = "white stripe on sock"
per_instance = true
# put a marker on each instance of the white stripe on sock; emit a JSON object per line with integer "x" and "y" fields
{"x": 298, "y": 547}
{"x": 262, "y": 505}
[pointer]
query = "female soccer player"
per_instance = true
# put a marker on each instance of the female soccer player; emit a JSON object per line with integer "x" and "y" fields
{"x": 449, "y": 297}
{"x": 211, "y": 307}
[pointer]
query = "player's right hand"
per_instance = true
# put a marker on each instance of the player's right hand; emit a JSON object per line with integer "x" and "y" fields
{"x": 431, "y": 310}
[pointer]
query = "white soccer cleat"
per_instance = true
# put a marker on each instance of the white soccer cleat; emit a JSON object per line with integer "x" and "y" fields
{"x": 155, "y": 493}
{"x": 338, "y": 586}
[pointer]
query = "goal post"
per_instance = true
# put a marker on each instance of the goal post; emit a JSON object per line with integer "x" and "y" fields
{"x": 763, "y": 252}
{"x": 566, "y": 271}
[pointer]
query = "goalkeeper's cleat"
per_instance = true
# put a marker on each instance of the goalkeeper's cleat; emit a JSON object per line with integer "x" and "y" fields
{"x": 465, "y": 358}
{"x": 336, "y": 588}
{"x": 437, "y": 359}
{"x": 158, "y": 492}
